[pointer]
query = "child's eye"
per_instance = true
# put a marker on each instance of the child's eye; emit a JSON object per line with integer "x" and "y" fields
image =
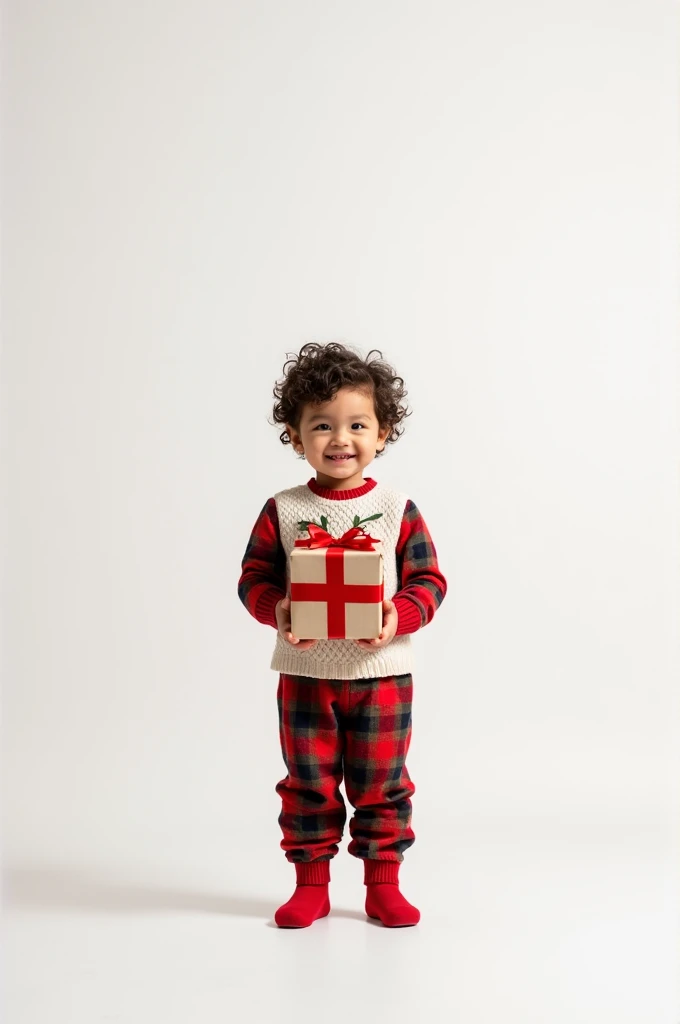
{"x": 354, "y": 425}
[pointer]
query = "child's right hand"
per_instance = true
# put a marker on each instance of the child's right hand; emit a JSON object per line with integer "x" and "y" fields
{"x": 282, "y": 612}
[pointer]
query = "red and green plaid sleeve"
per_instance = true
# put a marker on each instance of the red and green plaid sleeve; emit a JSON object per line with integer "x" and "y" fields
{"x": 422, "y": 584}
{"x": 263, "y": 569}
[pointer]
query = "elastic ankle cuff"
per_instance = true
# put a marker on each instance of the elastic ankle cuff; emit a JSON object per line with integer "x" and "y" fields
{"x": 381, "y": 871}
{"x": 315, "y": 872}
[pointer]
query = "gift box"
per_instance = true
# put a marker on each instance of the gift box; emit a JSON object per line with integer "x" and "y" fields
{"x": 336, "y": 585}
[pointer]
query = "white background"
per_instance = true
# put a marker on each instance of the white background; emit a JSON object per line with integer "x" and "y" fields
{"x": 487, "y": 194}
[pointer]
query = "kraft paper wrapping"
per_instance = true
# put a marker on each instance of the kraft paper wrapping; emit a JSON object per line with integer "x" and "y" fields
{"x": 336, "y": 593}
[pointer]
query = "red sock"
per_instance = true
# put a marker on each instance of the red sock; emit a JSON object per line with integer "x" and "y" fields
{"x": 383, "y": 899}
{"x": 310, "y": 899}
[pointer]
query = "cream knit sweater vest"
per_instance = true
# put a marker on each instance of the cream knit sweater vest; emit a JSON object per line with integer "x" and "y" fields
{"x": 344, "y": 659}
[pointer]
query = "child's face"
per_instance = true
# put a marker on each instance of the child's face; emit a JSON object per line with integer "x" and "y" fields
{"x": 345, "y": 425}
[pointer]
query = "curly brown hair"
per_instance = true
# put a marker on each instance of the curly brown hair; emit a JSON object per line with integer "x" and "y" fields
{"x": 318, "y": 372}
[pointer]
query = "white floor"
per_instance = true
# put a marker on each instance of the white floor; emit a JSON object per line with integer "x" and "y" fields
{"x": 520, "y": 923}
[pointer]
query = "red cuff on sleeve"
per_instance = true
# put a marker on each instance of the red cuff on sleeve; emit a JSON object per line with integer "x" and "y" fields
{"x": 266, "y": 603}
{"x": 409, "y": 616}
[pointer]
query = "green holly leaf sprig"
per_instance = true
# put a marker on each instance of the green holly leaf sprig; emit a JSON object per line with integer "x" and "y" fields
{"x": 303, "y": 524}
{"x": 357, "y": 521}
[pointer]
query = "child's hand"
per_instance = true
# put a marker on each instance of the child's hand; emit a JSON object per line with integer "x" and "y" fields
{"x": 389, "y": 628}
{"x": 282, "y": 612}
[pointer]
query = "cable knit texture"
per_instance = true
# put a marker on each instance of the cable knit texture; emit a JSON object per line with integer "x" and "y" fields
{"x": 344, "y": 659}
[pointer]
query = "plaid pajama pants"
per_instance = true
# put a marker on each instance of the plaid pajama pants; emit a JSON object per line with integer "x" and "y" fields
{"x": 356, "y": 729}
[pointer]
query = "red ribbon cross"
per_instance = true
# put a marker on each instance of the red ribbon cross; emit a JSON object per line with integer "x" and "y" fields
{"x": 335, "y": 592}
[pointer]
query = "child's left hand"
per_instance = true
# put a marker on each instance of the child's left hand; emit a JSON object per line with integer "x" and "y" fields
{"x": 389, "y": 628}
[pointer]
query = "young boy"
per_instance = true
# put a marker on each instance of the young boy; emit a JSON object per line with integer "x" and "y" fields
{"x": 344, "y": 705}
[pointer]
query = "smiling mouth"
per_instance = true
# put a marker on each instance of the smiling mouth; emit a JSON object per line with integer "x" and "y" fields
{"x": 339, "y": 458}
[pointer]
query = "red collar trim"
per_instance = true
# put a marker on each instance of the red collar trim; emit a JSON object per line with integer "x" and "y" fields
{"x": 339, "y": 495}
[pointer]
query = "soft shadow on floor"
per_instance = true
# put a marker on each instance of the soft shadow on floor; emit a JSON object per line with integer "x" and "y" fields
{"x": 87, "y": 891}
{"x": 352, "y": 914}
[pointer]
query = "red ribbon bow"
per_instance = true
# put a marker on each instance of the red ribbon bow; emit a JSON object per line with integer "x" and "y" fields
{"x": 320, "y": 538}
